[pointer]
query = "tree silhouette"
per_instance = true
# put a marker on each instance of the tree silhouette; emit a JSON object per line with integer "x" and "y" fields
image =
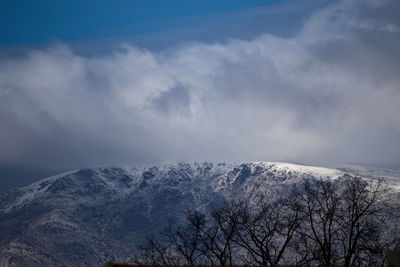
{"x": 345, "y": 221}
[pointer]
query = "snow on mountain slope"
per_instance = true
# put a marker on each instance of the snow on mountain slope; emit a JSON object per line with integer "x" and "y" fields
{"x": 90, "y": 216}
{"x": 391, "y": 177}
{"x": 319, "y": 172}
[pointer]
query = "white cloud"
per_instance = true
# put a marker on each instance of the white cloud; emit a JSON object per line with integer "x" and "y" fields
{"x": 317, "y": 97}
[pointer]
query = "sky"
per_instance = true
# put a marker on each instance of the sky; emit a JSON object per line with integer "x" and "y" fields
{"x": 27, "y": 21}
{"x": 144, "y": 82}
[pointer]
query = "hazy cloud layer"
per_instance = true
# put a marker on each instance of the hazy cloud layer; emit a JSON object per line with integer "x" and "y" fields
{"x": 330, "y": 94}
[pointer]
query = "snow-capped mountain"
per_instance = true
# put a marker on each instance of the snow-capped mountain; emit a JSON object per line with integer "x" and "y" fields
{"x": 89, "y": 216}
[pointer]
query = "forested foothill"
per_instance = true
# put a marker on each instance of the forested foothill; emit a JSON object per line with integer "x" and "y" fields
{"x": 346, "y": 221}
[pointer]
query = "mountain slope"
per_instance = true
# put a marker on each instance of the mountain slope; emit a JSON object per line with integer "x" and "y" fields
{"x": 89, "y": 216}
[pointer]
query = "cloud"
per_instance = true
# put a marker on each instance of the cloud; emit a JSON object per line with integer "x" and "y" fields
{"x": 329, "y": 94}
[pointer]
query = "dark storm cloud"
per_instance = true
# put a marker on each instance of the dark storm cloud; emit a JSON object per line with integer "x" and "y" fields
{"x": 329, "y": 94}
{"x": 176, "y": 99}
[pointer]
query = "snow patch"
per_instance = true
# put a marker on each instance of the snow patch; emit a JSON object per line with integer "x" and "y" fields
{"x": 319, "y": 172}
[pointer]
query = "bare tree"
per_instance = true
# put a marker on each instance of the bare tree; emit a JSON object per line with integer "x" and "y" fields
{"x": 217, "y": 234}
{"x": 156, "y": 251}
{"x": 376, "y": 251}
{"x": 344, "y": 216}
{"x": 359, "y": 218}
{"x": 344, "y": 221}
{"x": 319, "y": 206}
{"x": 266, "y": 234}
{"x": 302, "y": 250}
{"x": 186, "y": 240}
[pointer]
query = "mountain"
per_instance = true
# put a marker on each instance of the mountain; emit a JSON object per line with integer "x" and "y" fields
{"x": 87, "y": 217}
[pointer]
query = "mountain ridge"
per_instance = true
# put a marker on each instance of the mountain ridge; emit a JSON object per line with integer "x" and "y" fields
{"x": 90, "y": 216}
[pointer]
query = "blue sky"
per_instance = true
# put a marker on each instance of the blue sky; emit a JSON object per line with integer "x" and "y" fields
{"x": 40, "y": 21}
{"x": 96, "y": 27}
